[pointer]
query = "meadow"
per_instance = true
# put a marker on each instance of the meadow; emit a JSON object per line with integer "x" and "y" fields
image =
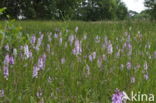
{"x": 75, "y": 61}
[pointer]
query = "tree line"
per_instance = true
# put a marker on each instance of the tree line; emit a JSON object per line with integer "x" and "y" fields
{"x": 91, "y": 10}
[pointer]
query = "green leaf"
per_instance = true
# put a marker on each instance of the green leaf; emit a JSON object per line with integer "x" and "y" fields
{"x": 2, "y": 10}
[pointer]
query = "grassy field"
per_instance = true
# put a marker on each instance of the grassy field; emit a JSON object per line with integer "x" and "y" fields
{"x": 79, "y": 62}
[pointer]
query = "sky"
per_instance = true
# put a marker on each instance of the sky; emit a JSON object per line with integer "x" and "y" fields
{"x": 135, "y": 5}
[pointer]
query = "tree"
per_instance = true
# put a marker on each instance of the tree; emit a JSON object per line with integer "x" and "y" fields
{"x": 121, "y": 10}
{"x": 66, "y": 9}
{"x": 39, "y": 9}
{"x": 103, "y": 10}
{"x": 13, "y": 8}
{"x": 151, "y": 5}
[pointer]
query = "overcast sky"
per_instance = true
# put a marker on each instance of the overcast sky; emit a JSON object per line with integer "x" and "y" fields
{"x": 135, "y": 5}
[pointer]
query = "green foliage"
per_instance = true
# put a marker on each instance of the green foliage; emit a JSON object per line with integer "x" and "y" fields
{"x": 103, "y": 10}
{"x": 151, "y": 5}
{"x": 2, "y": 10}
{"x": 121, "y": 11}
{"x": 39, "y": 9}
{"x": 144, "y": 15}
{"x": 66, "y": 9}
{"x": 9, "y": 33}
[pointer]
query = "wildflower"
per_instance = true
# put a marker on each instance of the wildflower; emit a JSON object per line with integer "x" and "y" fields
{"x": 148, "y": 45}
{"x": 60, "y": 41}
{"x": 7, "y": 60}
{"x": 117, "y": 96}
{"x": 129, "y": 65}
{"x": 11, "y": 61}
{"x": 146, "y": 76}
{"x": 39, "y": 66}
{"x": 41, "y": 62}
{"x": 124, "y": 45}
{"x": 55, "y": 35}
{"x": 109, "y": 48}
{"x": 1, "y": 93}
{"x": 132, "y": 79}
{"x": 6, "y": 47}
{"x": 63, "y": 60}
{"x": 6, "y": 71}
{"x": 145, "y": 66}
{"x": 41, "y": 37}
{"x": 44, "y": 57}
{"x": 39, "y": 94}
{"x": 77, "y": 50}
{"x": 90, "y": 58}
{"x": 129, "y": 46}
{"x": 35, "y": 71}
{"x": 71, "y": 39}
{"x": 33, "y": 39}
{"x": 26, "y": 51}
{"x": 39, "y": 42}
{"x": 128, "y": 38}
{"x": 97, "y": 39}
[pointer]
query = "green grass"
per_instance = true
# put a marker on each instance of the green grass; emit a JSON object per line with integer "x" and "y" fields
{"x": 69, "y": 81}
